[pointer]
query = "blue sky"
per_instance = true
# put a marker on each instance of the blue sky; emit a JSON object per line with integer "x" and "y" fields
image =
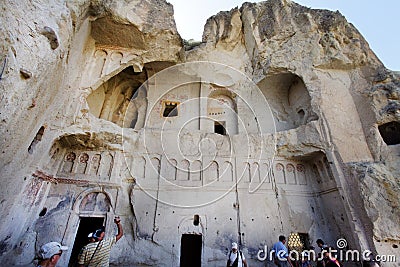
{"x": 378, "y": 21}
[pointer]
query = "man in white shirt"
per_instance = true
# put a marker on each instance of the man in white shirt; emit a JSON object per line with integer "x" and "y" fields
{"x": 236, "y": 257}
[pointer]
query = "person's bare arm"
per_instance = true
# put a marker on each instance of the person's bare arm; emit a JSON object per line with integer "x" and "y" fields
{"x": 120, "y": 233}
{"x": 245, "y": 263}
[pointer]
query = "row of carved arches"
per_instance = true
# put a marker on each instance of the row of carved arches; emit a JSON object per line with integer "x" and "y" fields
{"x": 87, "y": 163}
{"x": 290, "y": 174}
{"x": 322, "y": 171}
{"x": 184, "y": 170}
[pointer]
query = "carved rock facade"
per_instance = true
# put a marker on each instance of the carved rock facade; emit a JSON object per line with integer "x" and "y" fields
{"x": 98, "y": 118}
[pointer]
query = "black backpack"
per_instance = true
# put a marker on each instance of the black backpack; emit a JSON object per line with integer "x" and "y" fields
{"x": 236, "y": 262}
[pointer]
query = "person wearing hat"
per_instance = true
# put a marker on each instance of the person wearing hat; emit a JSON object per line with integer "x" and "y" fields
{"x": 91, "y": 238}
{"x": 50, "y": 253}
{"x": 98, "y": 253}
{"x": 235, "y": 257}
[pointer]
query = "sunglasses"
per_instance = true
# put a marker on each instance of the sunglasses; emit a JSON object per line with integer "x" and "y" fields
{"x": 59, "y": 254}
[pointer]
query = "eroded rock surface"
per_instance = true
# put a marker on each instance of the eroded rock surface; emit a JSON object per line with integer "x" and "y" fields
{"x": 281, "y": 121}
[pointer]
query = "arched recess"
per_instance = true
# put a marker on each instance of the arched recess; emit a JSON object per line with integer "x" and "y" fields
{"x": 289, "y": 100}
{"x": 152, "y": 168}
{"x": 92, "y": 209}
{"x": 195, "y": 171}
{"x": 169, "y": 169}
{"x": 183, "y": 170}
{"x": 122, "y": 99}
{"x": 82, "y": 163}
{"x": 93, "y": 201}
{"x": 390, "y": 132}
{"x": 222, "y": 110}
{"x": 192, "y": 237}
{"x": 187, "y": 225}
{"x": 93, "y": 204}
{"x": 212, "y": 172}
{"x": 68, "y": 163}
{"x": 95, "y": 165}
{"x": 226, "y": 172}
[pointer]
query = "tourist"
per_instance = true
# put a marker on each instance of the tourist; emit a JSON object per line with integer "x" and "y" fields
{"x": 235, "y": 257}
{"x": 98, "y": 252}
{"x": 305, "y": 259}
{"x": 329, "y": 260}
{"x": 50, "y": 253}
{"x": 281, "y": 254}
{"x": 91, "y": 238}
{"x": 322, "y": 246}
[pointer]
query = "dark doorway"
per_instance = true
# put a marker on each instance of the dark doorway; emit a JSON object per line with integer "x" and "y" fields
{"x": 305, "y": 240}
{"x": 86, "y": 226}
{"x": 191, "y": 250}
{"x": 219, "y": 127}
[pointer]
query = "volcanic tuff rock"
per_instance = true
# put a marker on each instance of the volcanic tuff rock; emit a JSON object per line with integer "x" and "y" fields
{"x": 335, "y": 108}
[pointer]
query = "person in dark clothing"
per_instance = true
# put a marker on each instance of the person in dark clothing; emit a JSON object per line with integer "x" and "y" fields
{"x": 322, "y": 246}
{"x": 235, "y": 257}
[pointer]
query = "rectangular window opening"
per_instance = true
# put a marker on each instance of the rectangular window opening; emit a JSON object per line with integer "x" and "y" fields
{"x": 170, "y": 109}
{"x": 305, "y": 239}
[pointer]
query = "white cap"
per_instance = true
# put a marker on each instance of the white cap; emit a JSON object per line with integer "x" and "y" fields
{"x": 234, "y": 245}
{"x": 50, "y": 249}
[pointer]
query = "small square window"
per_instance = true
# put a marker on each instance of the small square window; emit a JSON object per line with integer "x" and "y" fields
{"x": 170, "y": 109}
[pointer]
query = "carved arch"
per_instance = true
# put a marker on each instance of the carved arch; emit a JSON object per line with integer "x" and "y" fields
{"x": 76, "y": 207}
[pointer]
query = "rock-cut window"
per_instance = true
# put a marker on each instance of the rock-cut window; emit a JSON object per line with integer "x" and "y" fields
{"x": 220, "y": 128}
{"x": 390, "y": 133}
{"x": 170, "y": 109}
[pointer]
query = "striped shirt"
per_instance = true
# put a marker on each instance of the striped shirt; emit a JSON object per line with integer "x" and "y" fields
{"x": 102, "y": 256}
